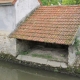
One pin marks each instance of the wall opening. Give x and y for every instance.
(44, 50)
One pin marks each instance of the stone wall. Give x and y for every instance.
(71, 55)
(7, 25)
(7, 45)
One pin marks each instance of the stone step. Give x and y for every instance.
(41, 61)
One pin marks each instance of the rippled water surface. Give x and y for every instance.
(10, 71)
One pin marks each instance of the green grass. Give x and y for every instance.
(42, 56)
(25, 52)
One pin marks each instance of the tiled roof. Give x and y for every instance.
(7, 1)
(52, 24)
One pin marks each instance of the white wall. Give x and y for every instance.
(12, 15)
(24, 7)
(7, 25)
(7, 18)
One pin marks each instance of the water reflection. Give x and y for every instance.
(8, 74)
(10, 71)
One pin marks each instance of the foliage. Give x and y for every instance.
(77, 1)
(25, 52)
(68, 2)
(49, 2)
(63, 2)
(42, 56)
(77, 46)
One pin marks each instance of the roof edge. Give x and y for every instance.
(62, 6)
(73, 40)
(12, 2)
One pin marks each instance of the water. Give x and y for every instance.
(10, 71)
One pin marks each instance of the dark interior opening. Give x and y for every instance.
(37, 44)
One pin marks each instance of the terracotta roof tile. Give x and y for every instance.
(7, 1)
(57, 24)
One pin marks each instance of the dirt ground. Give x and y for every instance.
(57, 54)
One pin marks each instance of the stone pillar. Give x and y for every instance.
(71, 55)
(7, 45)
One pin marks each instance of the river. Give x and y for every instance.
(9, 71)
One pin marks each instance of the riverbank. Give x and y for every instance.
(75, 71)
(11, 71)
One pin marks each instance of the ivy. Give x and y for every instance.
(77, 45)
